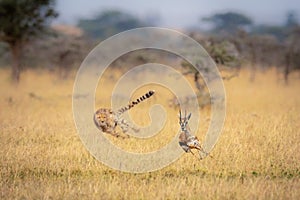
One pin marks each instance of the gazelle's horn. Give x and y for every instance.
(180, 114)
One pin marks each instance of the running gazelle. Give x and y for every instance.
(187, 141)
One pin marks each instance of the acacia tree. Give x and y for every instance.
(229, 22)
(21, 21)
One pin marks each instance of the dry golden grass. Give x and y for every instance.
(257, 156)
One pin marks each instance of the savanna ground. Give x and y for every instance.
(256, 157)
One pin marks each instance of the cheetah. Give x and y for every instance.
(107, 120)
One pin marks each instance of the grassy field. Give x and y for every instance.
(257, 156)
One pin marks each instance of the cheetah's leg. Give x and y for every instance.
(125, 126)
(112, 131)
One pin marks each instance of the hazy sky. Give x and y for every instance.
(180, 13)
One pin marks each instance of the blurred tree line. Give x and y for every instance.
(108, 23)
(234, 41)
(258, 46)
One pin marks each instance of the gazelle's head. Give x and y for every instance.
(183, 120)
